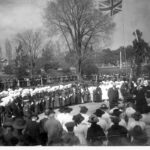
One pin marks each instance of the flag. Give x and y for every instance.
(112, 6)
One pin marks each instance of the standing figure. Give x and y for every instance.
(98, 94)
(140, 100)
(113, 96)
(78, 95)
(86, 95)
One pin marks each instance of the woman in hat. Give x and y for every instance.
(19, 125)
(80, 129)
(83, 112)
(136, 120)
(138, 136)
(117, 135)
(119, 113)
(8, 134)
(69, 138)
(95, 134)
(32, 130)
(64, 116)
(102, 122)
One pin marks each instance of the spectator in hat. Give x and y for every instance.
(43, 132)
(32, 130)
(64, 116)
(138, 136)
(80, 128)
(8, 133)
(2, 140)
(136, 120)
(119, 113)
(95, 134)
(105, 115)
(54, 129)
(19, 125)
(69, 138)
(97, 94)
(117, 135)
(102, 122)
(83, 112)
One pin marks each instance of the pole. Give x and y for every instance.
(120, 60)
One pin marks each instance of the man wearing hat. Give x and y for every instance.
(95, 134)
(69, 138)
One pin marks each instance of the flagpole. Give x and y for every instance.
(120, 60)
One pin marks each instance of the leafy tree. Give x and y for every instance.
(21, 62)
(8, 48)
(89, 68)
(80, 23)
(142, 51)
(31, 42)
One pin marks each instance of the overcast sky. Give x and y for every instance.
(19, 15)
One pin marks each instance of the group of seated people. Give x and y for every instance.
(120, 126)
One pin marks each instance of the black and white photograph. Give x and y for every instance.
(74, 73)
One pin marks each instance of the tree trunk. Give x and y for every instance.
(79, 69)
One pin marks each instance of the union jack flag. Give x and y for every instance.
(112, 6)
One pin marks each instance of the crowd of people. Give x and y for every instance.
(122, 118)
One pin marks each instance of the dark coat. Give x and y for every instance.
(141, 103)
(95, 135)
(113, 96)
(54, 130)
(69, 139)
(117, 135)
(33, 131)
(98, 95)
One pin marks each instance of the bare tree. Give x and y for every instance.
(80, 23)
(8, 48)
(31, 42)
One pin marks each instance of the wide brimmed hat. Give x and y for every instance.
(93, 119)
(78, 118)
(99, 112)
(19, 123)
(137, 116)
(70, 126)
(116, 112)
(65, 109)
(83, 109)
(115, 119)
(103, 107)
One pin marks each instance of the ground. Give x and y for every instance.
(91, 108)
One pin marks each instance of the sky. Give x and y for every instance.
(19, 15)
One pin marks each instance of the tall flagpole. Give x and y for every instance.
(120, 60)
